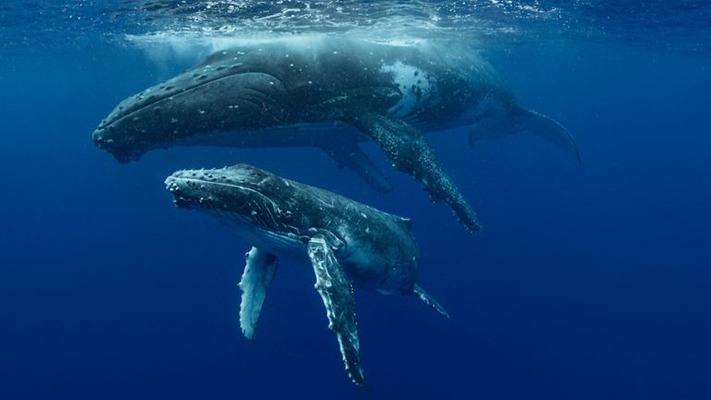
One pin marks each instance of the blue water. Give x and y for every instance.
(588, 282)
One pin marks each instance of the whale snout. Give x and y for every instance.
(205, 188)
(238, 189)
(179, 189)
(122, 152)
(190, 191)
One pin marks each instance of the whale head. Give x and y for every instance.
(218, 95)
(258, 204)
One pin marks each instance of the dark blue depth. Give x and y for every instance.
(586, 282)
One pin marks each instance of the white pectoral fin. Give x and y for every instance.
(258, 273)
(337, 294)
(427, 299)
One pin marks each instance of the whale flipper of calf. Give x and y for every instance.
(346, 243)
(330, 93)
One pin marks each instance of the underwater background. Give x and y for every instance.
(586, 282)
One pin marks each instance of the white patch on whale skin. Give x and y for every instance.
(416, 87)
(258, 273)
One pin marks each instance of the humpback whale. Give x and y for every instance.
(345, 242)
(330, 93)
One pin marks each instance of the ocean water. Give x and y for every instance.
(587, 282)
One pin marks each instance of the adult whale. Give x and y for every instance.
(345, 242)
(329, 93)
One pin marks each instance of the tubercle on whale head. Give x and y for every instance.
(189, 192)
(123, 153)
(241, 193)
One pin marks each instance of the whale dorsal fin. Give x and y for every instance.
(258, 273)
(336, 291)
(409, 152)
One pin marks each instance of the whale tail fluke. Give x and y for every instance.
(525, 120)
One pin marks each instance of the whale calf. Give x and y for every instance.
(330, 93)
(345, 242)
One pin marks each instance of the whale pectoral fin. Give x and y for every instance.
(409, 152)
(337, 294)
(427, 299)
(524, 120)
(258, 273)
(350, 154)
